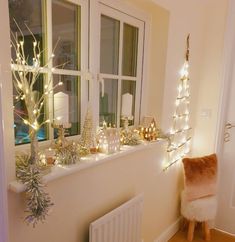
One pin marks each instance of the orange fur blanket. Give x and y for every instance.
(200, 176)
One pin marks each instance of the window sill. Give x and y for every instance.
(86, 162)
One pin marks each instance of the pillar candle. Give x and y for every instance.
(127, 105)
(61, 108)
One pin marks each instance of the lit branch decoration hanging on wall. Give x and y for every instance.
(180, 134)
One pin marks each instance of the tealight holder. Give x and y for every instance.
(61, 141)
(125, 121)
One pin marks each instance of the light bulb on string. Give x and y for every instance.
(180, 89)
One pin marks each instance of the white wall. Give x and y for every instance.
(7, 100)
(6, 117)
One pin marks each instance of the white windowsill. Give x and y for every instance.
(86, 162)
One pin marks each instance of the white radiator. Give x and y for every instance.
(122, 224)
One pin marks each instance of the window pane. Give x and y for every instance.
(21, 129)
(66, 20)
(128, 88)
(130, 46)
(30, 13)
(67, 102)
(108, 102)
(109, 45)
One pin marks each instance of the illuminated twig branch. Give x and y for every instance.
(25, 77)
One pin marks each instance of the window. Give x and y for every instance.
(30, 13)
(121, 51)
(58, 36)
(61, 26)
(66, 35)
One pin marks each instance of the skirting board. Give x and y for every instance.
(169, 232)
(222, 231)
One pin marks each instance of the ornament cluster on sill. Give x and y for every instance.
(107, 140)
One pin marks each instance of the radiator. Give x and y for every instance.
(122, 224)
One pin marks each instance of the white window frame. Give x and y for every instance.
(7, 160)
(3, 180)
(112, 9)
(83, 91)
(84, 58)
(90, 48)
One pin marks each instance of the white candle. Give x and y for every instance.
(127, 105)
(61, 108)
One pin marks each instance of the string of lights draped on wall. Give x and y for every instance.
(180, 134)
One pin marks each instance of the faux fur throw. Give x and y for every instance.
(200, 176)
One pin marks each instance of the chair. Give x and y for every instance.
(198, 200)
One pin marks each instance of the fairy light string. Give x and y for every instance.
(180, 134)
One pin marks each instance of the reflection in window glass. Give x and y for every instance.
(108, 102)
(130, 88)
(109, 45)
(27, 13)
(130, 47)
(65, 33)
(30, 13)
(21, 129)
(66, 102)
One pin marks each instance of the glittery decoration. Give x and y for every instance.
(37, 200)
(68, 155)
(129, 137)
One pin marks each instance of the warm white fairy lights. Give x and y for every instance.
(26, 75)
(180, 134)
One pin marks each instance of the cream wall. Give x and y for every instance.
(205, 21)
(211, 79)
(81, 198)
(86, 195)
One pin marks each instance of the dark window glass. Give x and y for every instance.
(108, 102)
(26, 14)
(66, 22)
(109, 45)
(130, 50)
